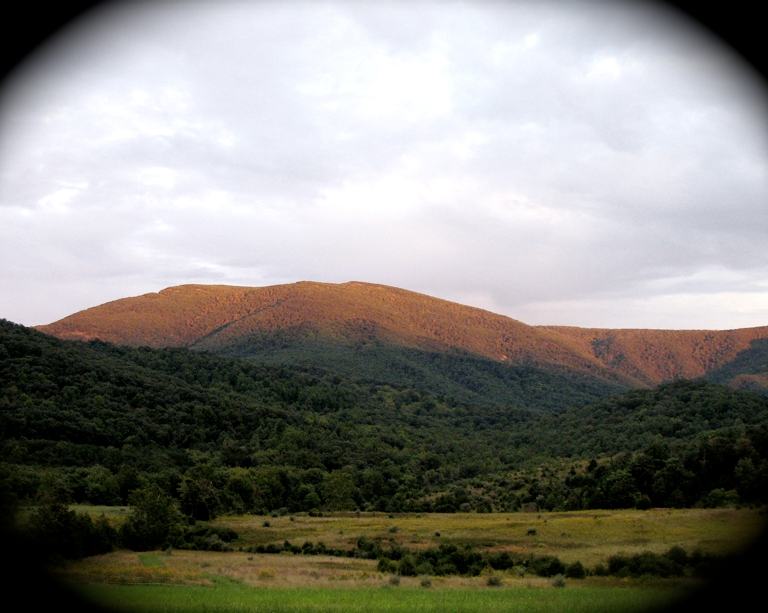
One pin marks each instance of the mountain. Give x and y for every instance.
(387, 334)
(226, 319)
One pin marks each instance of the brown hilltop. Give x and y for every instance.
(218, 317)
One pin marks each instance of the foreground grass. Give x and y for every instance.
(230, 582)
(235, 598)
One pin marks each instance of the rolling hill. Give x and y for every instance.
(382, 333)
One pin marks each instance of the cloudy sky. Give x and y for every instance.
(574, 163)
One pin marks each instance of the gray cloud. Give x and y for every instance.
(582, 163)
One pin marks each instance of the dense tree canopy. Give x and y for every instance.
(91, 422)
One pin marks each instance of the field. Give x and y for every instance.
(177, 581)
(587, 536)
(235, 581)
(241, 599)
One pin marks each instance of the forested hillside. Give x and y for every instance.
(94, 422)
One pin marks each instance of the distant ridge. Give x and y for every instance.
(246, 321)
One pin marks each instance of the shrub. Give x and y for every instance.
(368, 549)
(647, 563)
(600, 570)
(643, 502)
(386, 565)
(425, 568)
(575, 571)
(208, 538)
(407, 566)
(501, 561)
(678, 555)
(446, 568)
(547, 566)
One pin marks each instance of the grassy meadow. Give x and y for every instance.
(180, 580)
(587, 536)
(242, 599)
(232, 582)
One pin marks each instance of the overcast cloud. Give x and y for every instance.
(569, 163)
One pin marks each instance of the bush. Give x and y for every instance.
(575, 571)
(546, 566)
(600, 570)
(208, 538)
(425, 568)
(386, 565)
(678, 555)
(494, 581)
(501, 561)
(368, 549)
(643, 502)
(670, 564)
(407, 566)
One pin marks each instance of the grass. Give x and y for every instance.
(151, 560)
(239, 598)
(587, 536)
(231, 582)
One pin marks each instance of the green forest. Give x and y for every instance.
(100, 424)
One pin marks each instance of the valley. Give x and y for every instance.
(370, 439)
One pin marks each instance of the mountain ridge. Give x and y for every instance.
(243, 320)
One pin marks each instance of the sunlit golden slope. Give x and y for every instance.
(653, 356)
(218, 317)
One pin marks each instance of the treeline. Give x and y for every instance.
(90, 422)
(55, 532)
(725, 469)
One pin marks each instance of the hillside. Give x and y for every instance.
(225, 318)
(92, 421)
(366, 332)
(653, 356)
(386, 334)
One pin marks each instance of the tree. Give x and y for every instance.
(199, 498)
(338, 489)
(155, 521)
(55, 530)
